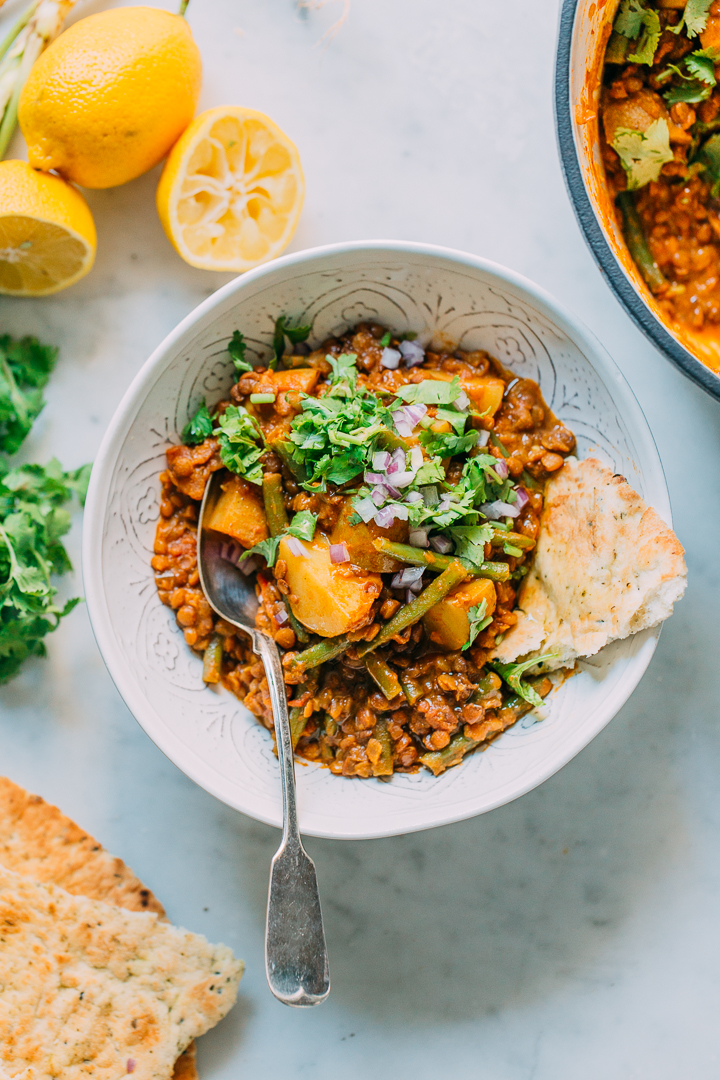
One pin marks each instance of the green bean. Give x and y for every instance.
(486, 684)
(297, 627)
(212, 660)
(384, 764)
(500, 446)
(383, 675)
(495, 571)
(440, 760)
(318, 654)
(413, 690)
(502, 536)
(617, 48)
(274, 499)
(414, 611)
(637, 242)
(298, 723)
(530, 482)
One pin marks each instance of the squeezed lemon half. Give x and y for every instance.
(47, 234)
(232, 189)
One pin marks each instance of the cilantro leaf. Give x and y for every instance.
(629, 20)
(25, 367)
(701, 64)
(303, 525)
(344, 374)
(385, 340)
(33, 519)
(694, 18)
(199, 428)
(237, 347)
(267, 548)
(709, 157)
(453, 417)
(445, 444)
(430, 392)
(512, 675)
(294, 334)
(241, 443)
(470, 542)
(478, 621)
(643, 153)
(648, 43)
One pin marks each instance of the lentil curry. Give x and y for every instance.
(660, 113)
(387, 500)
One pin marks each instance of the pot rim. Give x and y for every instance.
(593, 231)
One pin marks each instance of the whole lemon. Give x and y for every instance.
(110, 96)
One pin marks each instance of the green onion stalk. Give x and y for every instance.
(39, 24)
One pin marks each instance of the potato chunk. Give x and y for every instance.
(486, 393)
(328, 598)
(448, 624)
(240, 513)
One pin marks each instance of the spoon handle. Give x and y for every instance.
(296, 962)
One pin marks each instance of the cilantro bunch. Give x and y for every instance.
(25, 368)
(33, 519)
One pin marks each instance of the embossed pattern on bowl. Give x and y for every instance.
(443, 296)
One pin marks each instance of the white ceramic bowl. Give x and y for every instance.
(440, 294)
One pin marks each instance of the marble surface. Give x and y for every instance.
(574, 932)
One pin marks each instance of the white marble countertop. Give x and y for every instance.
(573, 933)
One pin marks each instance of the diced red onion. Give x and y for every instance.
(416, 458)
(400, 511)
(379, 494)
(281, 615)
(403, 429)
(365, 508)
(374, 478)
(430, 495)
(249, 566)
(393, 492)
(416, 587)
(522, 498)
(462, 401)
(403, 479)
(497, 510)
(509, 386)
(296, 547)
(390, 358)
(407, 577)
(483, 437)
(339, 553)
(230, 552)
(501, 468)
(413, 497)
(397, 462)
(441, 544)
(413, 353)
(414, 413)
(130, 1065)
(381, 460)
(418, 538)
(385, 518)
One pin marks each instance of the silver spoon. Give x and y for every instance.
(296, 962)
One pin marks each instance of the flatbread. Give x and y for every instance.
(90, 991)
(40, 842)
(606, 566)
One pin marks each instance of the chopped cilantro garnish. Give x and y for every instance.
(241, 443)
(629, 19)
(445, 445)
(236, 347)
(303, 525)
(470, 542)
(453, 417)
(33, 519)
(385, 340)
(698, 84)
(25, 367)
(199, 428)
(294, 334)
(430, 392)
(512, 675)
(343, 379)
(694, 18)
(478, 621)
(643, 153)
(649, 39)
(266, 548)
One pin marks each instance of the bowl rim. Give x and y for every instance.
(123, 419)
(592, 229)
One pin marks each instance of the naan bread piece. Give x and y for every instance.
(40, 842)
(90, 991)
(606, 566)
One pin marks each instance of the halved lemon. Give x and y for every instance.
(232, 189)
(47, 234)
